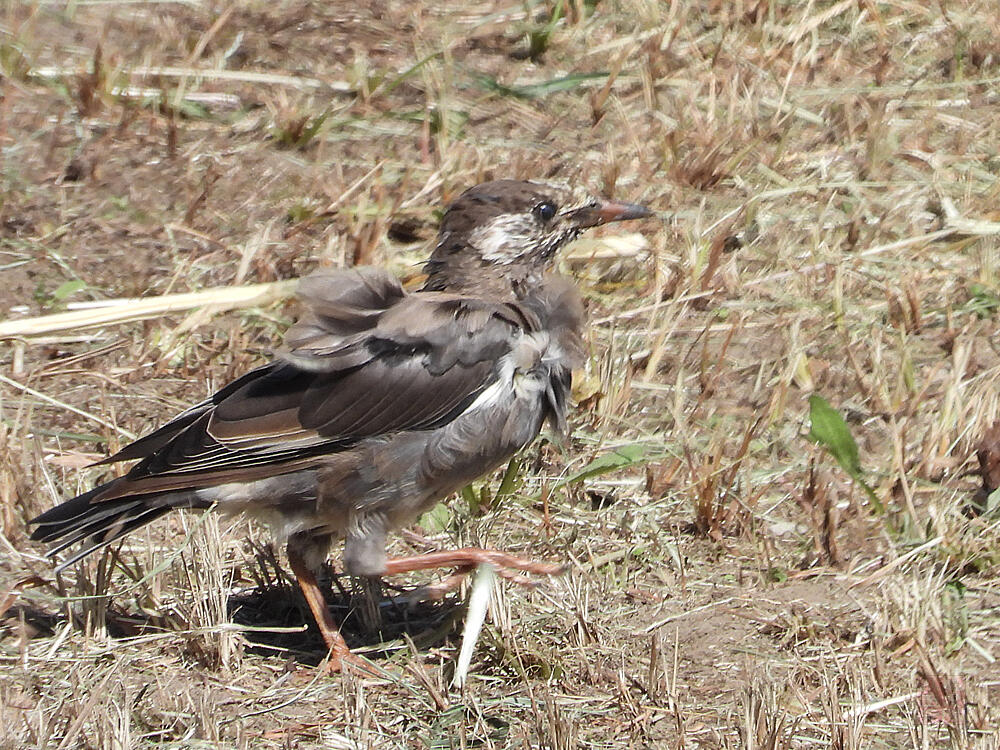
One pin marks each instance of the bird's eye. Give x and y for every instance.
(545, 210)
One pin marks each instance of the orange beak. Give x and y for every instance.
(602, 212)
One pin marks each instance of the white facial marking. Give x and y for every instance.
(501, 240)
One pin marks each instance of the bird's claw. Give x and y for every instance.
(341, 661)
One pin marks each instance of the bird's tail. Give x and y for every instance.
(100, 523)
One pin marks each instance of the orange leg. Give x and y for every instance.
(468, 558)
(339, 652)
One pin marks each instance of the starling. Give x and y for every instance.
(381, 402)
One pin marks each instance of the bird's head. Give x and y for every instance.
(510, 230)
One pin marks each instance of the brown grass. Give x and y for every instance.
(826, 175)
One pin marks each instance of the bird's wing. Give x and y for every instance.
(366, 359)
(341, 308)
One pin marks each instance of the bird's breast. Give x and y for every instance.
(522, 376)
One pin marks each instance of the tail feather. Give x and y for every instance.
(105, 536)
(99, 524)
(62, 519)
(109, 522)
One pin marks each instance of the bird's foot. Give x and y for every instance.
(344, 660)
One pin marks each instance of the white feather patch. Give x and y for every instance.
(479, 602)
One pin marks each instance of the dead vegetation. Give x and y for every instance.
(827, 179)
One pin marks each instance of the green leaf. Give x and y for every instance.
(992, 507)
(830, 430)
(389, 84)
(509, 482)
(485, 501)
(194, 110)
(536, 90)
(566, 83)
(471, 499)
(13, 63)
(437, 519)
(983, 301)
(68, 289)
(539, 39)
(619, 458)
(492, 84)
(955, 609)
(956, 587)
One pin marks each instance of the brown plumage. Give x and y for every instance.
(381, 402)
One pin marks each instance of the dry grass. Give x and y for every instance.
(827, 176)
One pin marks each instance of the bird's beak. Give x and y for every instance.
(601, 212)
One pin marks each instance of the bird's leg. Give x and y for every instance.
(468, 558)
(369, 612)
(335, 643)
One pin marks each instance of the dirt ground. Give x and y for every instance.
(825, 181)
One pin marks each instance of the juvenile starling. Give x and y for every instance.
(381, 402)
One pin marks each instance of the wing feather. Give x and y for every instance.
(366, 359)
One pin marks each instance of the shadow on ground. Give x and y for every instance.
(378, 625)
(276, 622)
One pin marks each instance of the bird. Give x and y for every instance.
(380, 403)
